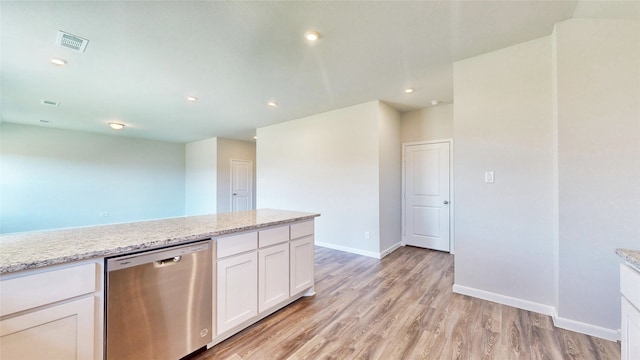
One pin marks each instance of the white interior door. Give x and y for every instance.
(241, 185)
(426, 196)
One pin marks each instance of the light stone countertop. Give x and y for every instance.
(29, 250)
(632, 257)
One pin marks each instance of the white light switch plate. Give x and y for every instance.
(489, 177)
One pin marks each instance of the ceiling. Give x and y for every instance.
(144, 58)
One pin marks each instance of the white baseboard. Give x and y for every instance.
(563, 323)
(390, 249)
(348, 249)
(505, 300)
(371, 254)
(597, 331)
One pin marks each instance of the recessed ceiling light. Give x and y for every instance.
(192, 98)
(312, 35)
(58, 61)
(116, 126)
(272, 104)
(409, 90)
(435, 102)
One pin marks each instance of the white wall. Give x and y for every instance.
(558, 120)
(432, 123)
(201, 169)
(54, 178)
(503, 123)
(237, 150)
(598, 85)
(390, 179)
(326, 163)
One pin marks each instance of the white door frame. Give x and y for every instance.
(451, 189)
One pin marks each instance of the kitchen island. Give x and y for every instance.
(52, 283)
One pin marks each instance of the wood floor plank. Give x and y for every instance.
(402, 307)
(515, 332)
(570, 347)
(544, 345)
(428, 346)
(491, 317)
(604, 349)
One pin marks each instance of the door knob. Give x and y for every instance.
(235, 194)
(445, 202)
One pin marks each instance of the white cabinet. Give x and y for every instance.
(630, 331)
(301, 257)
(630, 326)
(51, 314)
(261, 272)
(302, 265)
(62, 331)
(237, 280)
(273, 273)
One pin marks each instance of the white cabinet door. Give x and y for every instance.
(237, 299)
(64, 331)
(302, 264)
(630, 331)
(273, 276)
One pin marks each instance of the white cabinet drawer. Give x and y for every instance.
(630, 285)
(236, 244)
(301, 229)
(273, 236)
(27, 292)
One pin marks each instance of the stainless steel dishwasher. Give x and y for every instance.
(159, 303)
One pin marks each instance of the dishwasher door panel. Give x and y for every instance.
(159, 304)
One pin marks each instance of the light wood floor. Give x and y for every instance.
(402, 307)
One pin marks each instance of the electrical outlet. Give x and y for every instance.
(104, 213)
(366, 235)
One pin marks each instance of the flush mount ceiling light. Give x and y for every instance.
(312, 35)
(435, 102)
(58, 61)
(116, 125)
(409, 90)
(272, 104)
(192, 98)
(46, 102)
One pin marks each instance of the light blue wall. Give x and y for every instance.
(54, 178)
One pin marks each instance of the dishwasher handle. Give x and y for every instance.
(159, 258)
(167, 261)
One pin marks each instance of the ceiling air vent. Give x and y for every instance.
(71, 41)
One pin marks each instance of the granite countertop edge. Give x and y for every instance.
(631, 257)
(81, 242)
